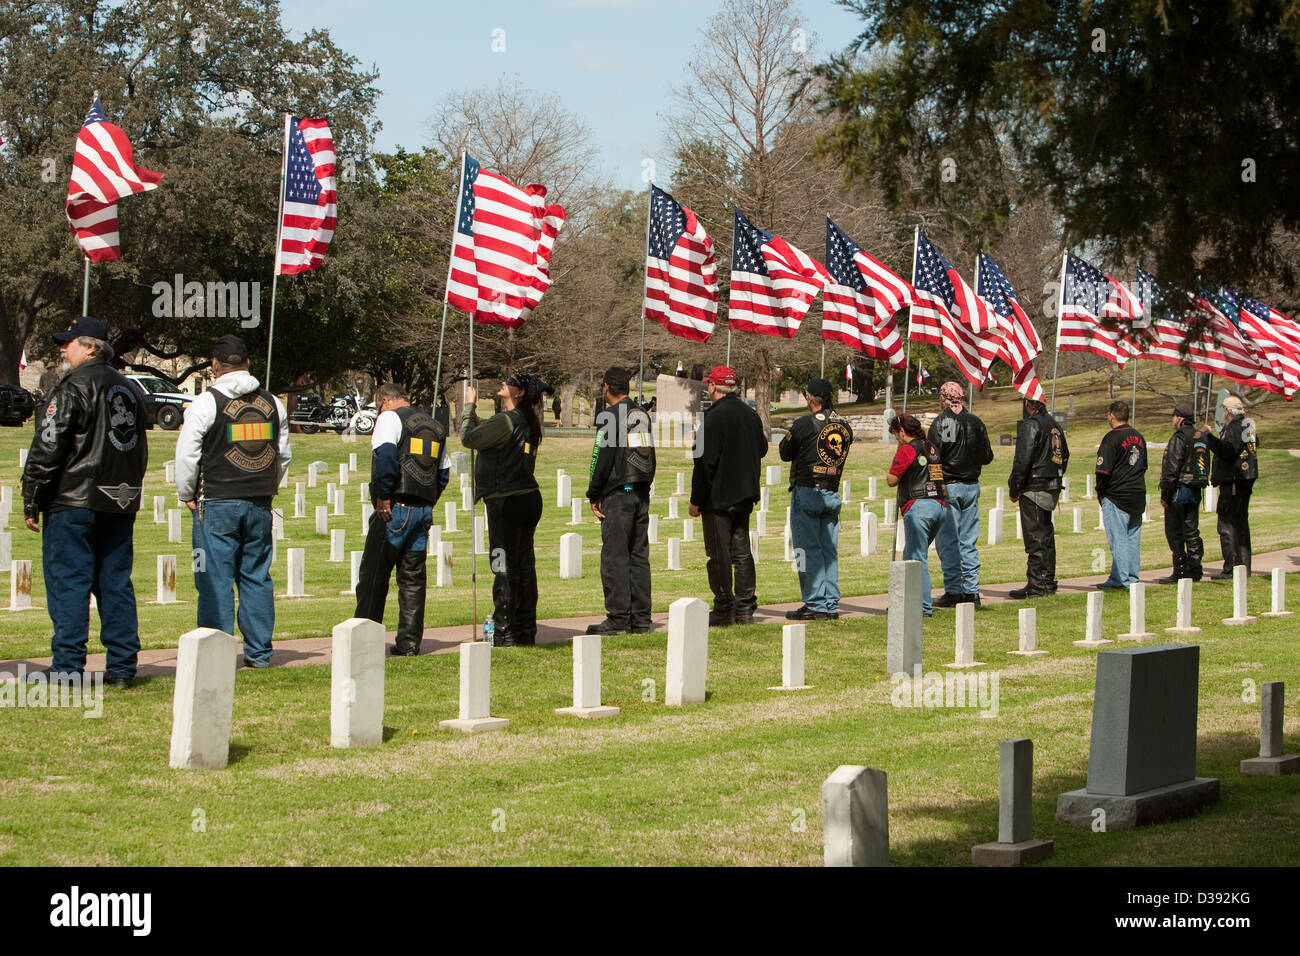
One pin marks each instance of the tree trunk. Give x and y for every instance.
(567, 395)
(763, 386)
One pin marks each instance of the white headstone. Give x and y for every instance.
(322, 519)
(787, 544)
(869, 533)
(159, 509)
(1087, 486)
(444, 562)
(295, 579)
(672, 509)
(1077, 514)
(367, 511)
(844, 491)
(449, 518)
(277, 525)
(855, 817)
(1278, 595)
(354, 576)
(570, 555)
(357, 684)
(435, 538)
(173, 526)
(169, 472)
(166, 579)
(203, 700)
(998, 498)
(1092, 626)
(652, 529)
(872, 492)
(1137, 613)
(363, 492)
(22, 457)
(563, 491)
(764, 498)
(1146, 513)
(20, 585)
(681, 483)
(300, 505)
(6, 550)
(311, 477)
(1065, 491)
(1184, 621)
(773, 474)
(900, 536)
(586, 680)
(652, 491)
(1028, 634)
(576, 507)
(965, 637)
(466, 499)
(1239, 583)
(1211, 499)
(688, 652)
(753, 545)
(330, 489)
(792, 657)
(337, 544)
(344, 470)
(480, 534)
(475, 691)
(760, 523)
(352, 460)
(890, 507)
(1101, 519)
(674, 554)
(1020, 532)
(340, 502)
(688, 529)
(995, 526)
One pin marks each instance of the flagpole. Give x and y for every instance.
(907, 357)
(442, 336)
(1132, 412)
(728, 363)
(279, 229)
(473, 494)
(1060, 313)
(645, 268)
(970, 386)
(85, 289)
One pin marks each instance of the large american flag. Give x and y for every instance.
(310, 197)
(102, 173)
(501, 248)
(681, 272)
(1021, 345)
(1096, 313)
(861, 300)
(1280, 352)
(772, 282)
(942, 299)
(1284, 328)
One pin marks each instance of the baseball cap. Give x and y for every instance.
(1234, 404)
(82, 325)
(1184, 411)
(617, 378)
(230, 349)
(819, 388)
(722, 375)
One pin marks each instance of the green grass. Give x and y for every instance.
(729, 781)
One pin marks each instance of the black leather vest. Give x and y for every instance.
(824, 440)
(924, 479)
(420, 452)
(508, 466)
(241, 449)
(626, 426)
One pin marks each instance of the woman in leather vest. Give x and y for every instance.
(917, 473)
(503, 477)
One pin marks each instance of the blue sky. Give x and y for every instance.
(612, 62)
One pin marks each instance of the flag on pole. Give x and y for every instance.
(1096, 314)
(921, 373)
(1280, 353)
(942, 297)
(772, 282)
(681, 271)
(1281, 327)
(501, 248)
(103, 171)
(1021, 345)
(310, 197)
(861, 299)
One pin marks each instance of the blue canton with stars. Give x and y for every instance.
(840, 250)
(465, 217)
(994, 287)
(667, 223)
(301, 184)
(1086, 286)
(96, 114)
(932, 272)
(1257, 309)
(747, 247)
(1226, 301)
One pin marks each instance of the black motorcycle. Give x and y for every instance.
(312, 414)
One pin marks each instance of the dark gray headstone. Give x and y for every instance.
(1144, 719)
(1271, 759)
(1016, 791)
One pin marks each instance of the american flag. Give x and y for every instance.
(310, 197)
(861, 300)
(1021, 345)
(102, 173)
(501, 249)
(1096, 313)
(681, 272)
(1282, 355)
(942, 297)
(1287, 329)
(772, 282)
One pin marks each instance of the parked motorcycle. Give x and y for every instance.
(312, 414)
(363, 422)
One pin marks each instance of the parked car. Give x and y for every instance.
(164, 402)
(16, 405)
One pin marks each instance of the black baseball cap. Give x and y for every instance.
(230, 350)
(1184, 412)
(819, 388)
(617, 379)
(82, 325)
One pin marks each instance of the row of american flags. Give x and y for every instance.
(504, 235)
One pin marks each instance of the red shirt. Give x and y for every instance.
(903, 460)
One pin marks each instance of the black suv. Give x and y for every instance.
(16, 405)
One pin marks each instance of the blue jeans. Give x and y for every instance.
(1124, 535)
(232, 545)
(814, 530)
(921, 523)
(958, 539)
(88, 552)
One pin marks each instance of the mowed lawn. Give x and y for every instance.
(734, 781)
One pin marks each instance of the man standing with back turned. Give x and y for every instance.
(231, 453)
(964, 450)
(1184, 471)
(1236, 467)
(1122, 492)
(1041, 459)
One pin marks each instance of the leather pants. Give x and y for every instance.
(377, 563)
(1183, 532)
(1040, 547)
(1233, 512)
(512, 523)
(726, 542)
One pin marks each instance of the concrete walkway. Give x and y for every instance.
(441, 640)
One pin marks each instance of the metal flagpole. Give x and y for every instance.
(822, 373)
(1196, 381)
(728, 332)
(85, 289)
(1209, 395)
(650, 196)
(1132, 412)
(279, 229)
(473, 494)
(970, 400)
(1060, 310)
(907, 356)
(437, 378)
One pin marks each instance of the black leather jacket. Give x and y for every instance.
(963, 444)
(90, 449)
(1234, 456)
(1042, 455)
(1171, 465)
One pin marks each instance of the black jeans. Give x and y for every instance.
(1040, 547)
(1183, 532)
(1233, 510)
(625, 558)
(377, 562)
(726, 542)
(512, 522)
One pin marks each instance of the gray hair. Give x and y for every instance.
(724, 389)
(99, 348)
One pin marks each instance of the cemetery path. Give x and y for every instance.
(441, 640)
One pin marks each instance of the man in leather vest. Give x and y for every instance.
(84, 477)
(622, 467)
(231, 454)
(1180, 496)
(817, 446)
(1235, 469)
(1042, 456)
(729, 445)
(964, 450)
(408, 449)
